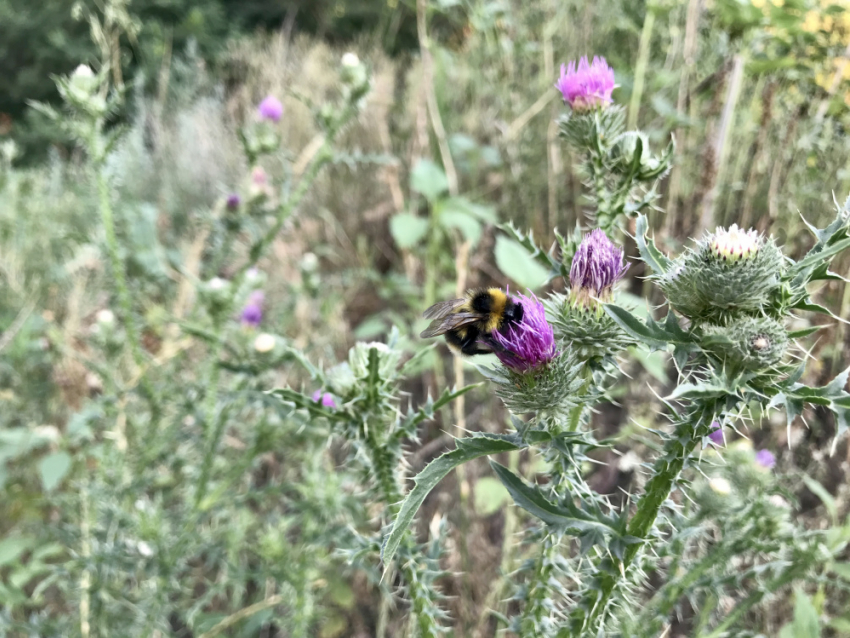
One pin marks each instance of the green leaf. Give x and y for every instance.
(826, 498)
(842, 570)
(407, 229)
(468, 226)
(653, 336)
(12, 548)
(649, 253)
(429, 180)
(515, 262)
(698, 391)
(490, 495)
(806, 618)
(841, 625)
(53, 469)
(531, 499)
(479, 444)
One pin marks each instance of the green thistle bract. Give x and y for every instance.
(753, 343)
(588, 332)
(728, 271)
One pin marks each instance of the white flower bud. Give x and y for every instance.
(350, 60)
(720, 485)
(264, 343)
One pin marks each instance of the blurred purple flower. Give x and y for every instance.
(528, 343)
(252, 313)
(597, 266)
(326, 399)
(586, 86)
(233, 201)
(766, 458)
(270, 109)
(716, 434)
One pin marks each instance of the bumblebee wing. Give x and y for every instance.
(443, 308)
(442, 325)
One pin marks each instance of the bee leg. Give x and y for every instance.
(471, 344)
(491, 343)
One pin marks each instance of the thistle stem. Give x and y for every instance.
(611, 570)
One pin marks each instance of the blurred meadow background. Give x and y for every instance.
(151, 486)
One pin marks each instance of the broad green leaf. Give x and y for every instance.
(490, 495)
(429, 180)
(841, 625)
(826, 498)
(806, 618)
(53, 469)
(515, 262)
(11, 548)
(481, 212)
(480, 444)
(468, 226)
(842, 569)
(407, 229)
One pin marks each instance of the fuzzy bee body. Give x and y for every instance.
(469, 323)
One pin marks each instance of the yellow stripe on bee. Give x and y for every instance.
(497, 312)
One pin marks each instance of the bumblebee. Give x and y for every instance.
(469, 323)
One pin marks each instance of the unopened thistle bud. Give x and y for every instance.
(728, 271)
(752, 343)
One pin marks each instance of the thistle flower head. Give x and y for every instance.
(766, 459)
(529, 343)
(597, 266)
(270, 109)
(325, 398)
(252, 313)
(586, 85)
(735, 243)
(233, 201)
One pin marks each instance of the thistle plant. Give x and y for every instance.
(729, 301)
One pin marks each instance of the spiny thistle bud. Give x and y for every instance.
(728, 271)
(587, 85)
(529, 343)
(752, 343)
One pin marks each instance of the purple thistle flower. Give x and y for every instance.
(233, 201)
(326, 399)
(529, 343)
(252, 313)
(597, 266)
(586, 86)
(766, 459)
(270, 109)
(716, 434)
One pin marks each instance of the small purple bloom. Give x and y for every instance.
(326, 399)
(586, 86)
(252, 313)
(716, 434)
(597, 266)
(766, 458)
(233, 201)
(529, 343)
(270, 109)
